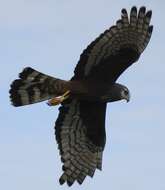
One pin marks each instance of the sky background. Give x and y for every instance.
(49, 36)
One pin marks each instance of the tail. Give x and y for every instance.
(33, 86)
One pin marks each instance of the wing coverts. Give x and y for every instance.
(131, 33)
(80, 156)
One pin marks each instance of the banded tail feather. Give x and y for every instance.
(80, 126)
(33, 86)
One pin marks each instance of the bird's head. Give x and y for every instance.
(117, 92)
(125, 94)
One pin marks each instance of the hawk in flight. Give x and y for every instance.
(80, 126)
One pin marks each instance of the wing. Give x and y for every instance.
(81, 139)
(117, 48)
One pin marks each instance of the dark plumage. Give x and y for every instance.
(80, 126)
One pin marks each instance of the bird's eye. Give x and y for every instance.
(126, 92)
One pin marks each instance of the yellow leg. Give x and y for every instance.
(59, 99)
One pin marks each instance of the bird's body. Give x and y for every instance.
(101, 92)
(80, 127)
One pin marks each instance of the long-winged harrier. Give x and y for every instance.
(80, 127)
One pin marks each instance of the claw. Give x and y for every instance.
(59, 99)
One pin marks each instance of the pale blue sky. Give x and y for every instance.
(49, 36)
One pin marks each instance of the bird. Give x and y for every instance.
(80, 126)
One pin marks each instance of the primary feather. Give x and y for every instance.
(80, 127)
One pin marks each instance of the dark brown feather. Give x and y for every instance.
(117, 48)
(81, 139)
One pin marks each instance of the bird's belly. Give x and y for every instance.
(88, 90)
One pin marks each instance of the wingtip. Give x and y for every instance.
(149, 14)
(134, 9)
(69, 183)
(150, 29)
(61, 181)
(124, 11)
(142, 9)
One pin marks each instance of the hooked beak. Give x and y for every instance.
(127, 98)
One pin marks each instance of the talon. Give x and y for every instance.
(59, 99)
